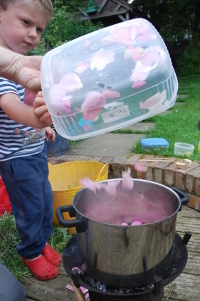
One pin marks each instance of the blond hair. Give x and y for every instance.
(45, 5)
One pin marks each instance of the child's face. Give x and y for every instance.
(21, 27)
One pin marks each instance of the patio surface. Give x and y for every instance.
(185, 288)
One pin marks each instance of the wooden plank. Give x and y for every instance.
(52, 290)
(102, 6)
(123, 4)
(117, 7)
(103, 15)
(184, 288)
(121, 18)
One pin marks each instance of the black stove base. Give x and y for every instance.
(94, 296)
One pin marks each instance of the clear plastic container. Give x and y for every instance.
(108, 79)
(181, 148)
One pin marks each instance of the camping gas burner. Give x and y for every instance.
(101, 292)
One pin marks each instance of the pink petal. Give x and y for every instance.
(148, 58)
(140, 167)
(84, 267)
(86, 43)
(101, 59)
(76, 268)
(124, 224)
(127, 181)
(87, 183)
(81, 67)
(86, 127)
(69, 287)
(139, 73)
(138, 51)
(111, 94)
(137, 222)
(111, 187)
(138, 84)
(129, 52)
(63, 103)
(110, 40)
(83, 289)
(92, 105)
(87, 296)
(71, 83)
(122, 34)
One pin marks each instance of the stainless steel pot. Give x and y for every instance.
(125, 254)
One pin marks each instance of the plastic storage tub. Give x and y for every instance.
(181, 148)
(149, 143)
(108, 79)
(65, 177)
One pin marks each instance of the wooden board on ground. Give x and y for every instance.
(184, 288)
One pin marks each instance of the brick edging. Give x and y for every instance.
(163, 172)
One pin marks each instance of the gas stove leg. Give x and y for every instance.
(157, 285)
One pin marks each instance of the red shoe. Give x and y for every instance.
(52, 255)
(41, 268)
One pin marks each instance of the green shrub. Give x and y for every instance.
(190, 63)
(64, 27)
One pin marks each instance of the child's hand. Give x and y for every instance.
(50, 134)
(40, 110)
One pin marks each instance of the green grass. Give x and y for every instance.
(9, 239)
(179, 126)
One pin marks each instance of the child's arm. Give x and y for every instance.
(50, 134)
(20, 112)
(40, 110)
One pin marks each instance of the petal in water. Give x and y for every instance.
(101, 59)
(136, 222)
(138, 84)
(140, 72)
(81, 67)
(138, 51)
(86, 43)
(111, 94)
(92, 105)
(124, 224)
(127, 181)
(71, 83)
(156, 99)
(122, 34)
(63, 103)
(148, 58)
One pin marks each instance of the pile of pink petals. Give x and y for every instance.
(136, 222)
(111, 186)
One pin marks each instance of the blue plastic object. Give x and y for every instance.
(154, 143)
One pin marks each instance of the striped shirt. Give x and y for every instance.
(17, 140)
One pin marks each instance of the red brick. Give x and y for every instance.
(197, 184)
(169, 175)
(189, 183)
(180, 179)
(159, 171)
(117, 167)
(150, 171)
(130, 163)
(194, 202)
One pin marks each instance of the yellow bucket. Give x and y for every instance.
(65, 177)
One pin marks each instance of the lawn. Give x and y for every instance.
(179, 126)
(9, 238)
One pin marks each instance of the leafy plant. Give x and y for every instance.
(64, 26)
(9, 238)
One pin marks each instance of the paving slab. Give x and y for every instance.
(141, 126)
(106, 145)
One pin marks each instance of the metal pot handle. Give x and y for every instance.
(184, 197)
(78, 223)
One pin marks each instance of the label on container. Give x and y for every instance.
(115, 114)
